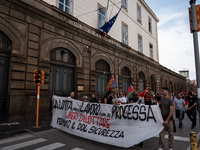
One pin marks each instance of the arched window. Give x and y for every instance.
(5, 43)
(126, 76)
(141, 82)
(161, 82)
(177, 88)
(153, 83)
(102, 77)
(174, 86)
(62, 55)
(170, 87)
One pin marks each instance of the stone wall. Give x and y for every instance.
(34, 32)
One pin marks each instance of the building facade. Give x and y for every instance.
(35, 34)
(136, 24)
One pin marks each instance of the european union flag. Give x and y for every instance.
(106, 27)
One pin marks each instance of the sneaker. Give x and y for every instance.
(160, 148)
(170, 149)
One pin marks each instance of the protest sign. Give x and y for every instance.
(123, 126)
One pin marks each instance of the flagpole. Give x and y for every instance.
(117, 87)
(111, 10)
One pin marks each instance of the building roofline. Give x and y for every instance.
(149, 9)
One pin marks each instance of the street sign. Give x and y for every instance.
(197, 18)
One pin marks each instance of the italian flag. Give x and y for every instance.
(129, 92)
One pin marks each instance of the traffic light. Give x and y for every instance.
(43, 77)
(37, 77)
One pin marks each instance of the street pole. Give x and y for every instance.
(196, 49)
(38, 101)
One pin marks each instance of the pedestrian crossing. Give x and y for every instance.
(51, 146)
(22, 142)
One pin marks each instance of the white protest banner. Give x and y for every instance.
(122, 126)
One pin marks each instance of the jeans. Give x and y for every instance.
(180, 117)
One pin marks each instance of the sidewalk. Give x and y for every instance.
(17, 128)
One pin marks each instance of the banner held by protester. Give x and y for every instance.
(123, 126)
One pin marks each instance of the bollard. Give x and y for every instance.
(193, 141)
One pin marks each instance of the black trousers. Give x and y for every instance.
(192, 115)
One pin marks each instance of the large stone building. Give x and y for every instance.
(35, 34)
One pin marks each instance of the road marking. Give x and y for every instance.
(51, 146)
(186, 139)
(77, 149)
(24, 144)
(15, 139)
(8, 124)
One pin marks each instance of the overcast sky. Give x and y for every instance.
(176, 51)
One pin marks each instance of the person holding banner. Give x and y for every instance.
(110, 97)
(105, 100)
(167, 109)
(100, 100)
(94, 99)
(122, 98)
(72, 95)
(85, 98)
(117, 102)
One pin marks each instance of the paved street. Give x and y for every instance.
(56, 139)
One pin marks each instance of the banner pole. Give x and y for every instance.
(37, 109)
(117, 87)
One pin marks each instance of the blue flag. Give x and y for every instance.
(106, 27)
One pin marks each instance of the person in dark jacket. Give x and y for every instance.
(109, 99)
(191, 111)
(94, 99)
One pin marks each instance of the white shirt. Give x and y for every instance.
(122, 99)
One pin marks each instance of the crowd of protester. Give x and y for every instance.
(184, 102)
(180, 102)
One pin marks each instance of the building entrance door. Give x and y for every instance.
(5, 49)
(4, 65)
(61, 73)
(61, 81)
(102, 77)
